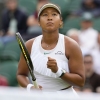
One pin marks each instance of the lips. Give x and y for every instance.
(49, 23)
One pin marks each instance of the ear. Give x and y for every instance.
(39, 23)
(61, 24)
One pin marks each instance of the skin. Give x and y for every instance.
(90, 4)
(11, 5)
(50, 22)
(86, 24)
(75, 37)
(88, 62)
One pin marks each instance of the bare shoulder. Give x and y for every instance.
(70, 42)
(71, 46)
(29, 44)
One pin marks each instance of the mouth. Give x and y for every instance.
(49, 24)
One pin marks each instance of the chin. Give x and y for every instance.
(50, 31)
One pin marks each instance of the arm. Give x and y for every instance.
(75, 63)
(22, 73)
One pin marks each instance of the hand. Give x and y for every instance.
(52, 64)
(33, 88)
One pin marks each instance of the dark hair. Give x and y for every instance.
(87, 55)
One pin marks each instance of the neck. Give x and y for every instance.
(50, 38)
(13, 11)
(85, 28)
(89, 74)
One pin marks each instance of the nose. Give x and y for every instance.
(49, 18)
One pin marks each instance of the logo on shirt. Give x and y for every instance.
(45, 53)
(59, 53)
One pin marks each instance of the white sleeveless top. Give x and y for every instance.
(45, 77)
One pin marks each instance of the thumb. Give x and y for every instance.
(49, 58)
(40, 87)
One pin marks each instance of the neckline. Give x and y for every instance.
(48, 51)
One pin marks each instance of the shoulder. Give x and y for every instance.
(71, 46)
(70, 42)
(29, 43)
(5, 12)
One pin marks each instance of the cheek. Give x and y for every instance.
(42, 21)
(57, 20)
(57, 23)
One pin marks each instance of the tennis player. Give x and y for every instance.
(57, 59)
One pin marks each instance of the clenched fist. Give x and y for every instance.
(52, 64)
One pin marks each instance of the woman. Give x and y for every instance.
(57, 59)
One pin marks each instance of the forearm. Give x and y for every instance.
(73, 79)
(23, 80)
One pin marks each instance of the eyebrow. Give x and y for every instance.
(53, 10)
(47, 12)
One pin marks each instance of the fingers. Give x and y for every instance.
(33, 88)
(52, 64)
(51, 59)
(40, 87)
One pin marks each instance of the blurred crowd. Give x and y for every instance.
(16, 19)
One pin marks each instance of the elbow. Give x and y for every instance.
(82, 82)
(81, 85)
(17, 76)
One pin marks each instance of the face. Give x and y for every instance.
(86, 24)
(89, 3)
(50, 20)
(11, 5)
(88, 62)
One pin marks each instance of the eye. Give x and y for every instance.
(54, 14)
(44, 14)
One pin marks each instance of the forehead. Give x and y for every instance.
(49, 9)
(88, 58)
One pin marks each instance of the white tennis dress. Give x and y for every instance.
(45, 77)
